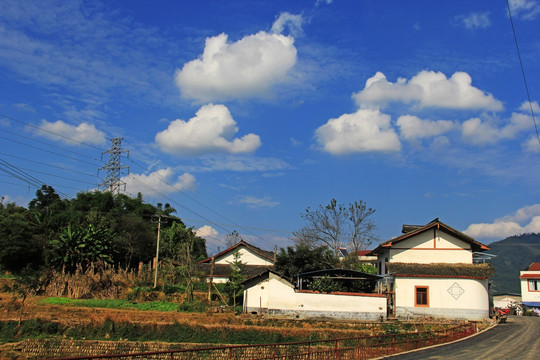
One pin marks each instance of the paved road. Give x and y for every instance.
(518, 338)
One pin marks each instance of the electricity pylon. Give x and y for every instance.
(114, 167)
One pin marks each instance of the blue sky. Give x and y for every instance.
(243, 113)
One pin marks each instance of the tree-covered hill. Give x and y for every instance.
(514, 254)
(92, 227)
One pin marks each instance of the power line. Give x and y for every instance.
(522, 70)
(47, 144)
(50, 165)
(50, 132)
(234, 225)
(49, 151)
(15, 172)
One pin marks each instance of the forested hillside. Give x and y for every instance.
(514, 254)
(92, 227)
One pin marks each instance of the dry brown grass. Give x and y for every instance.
(98, 281)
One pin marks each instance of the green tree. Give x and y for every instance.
(302, 258)
(325, 284)
(233, 286)
(336, 225)
(181, 245)
(81, 245)
(351, 262)
(19, 247)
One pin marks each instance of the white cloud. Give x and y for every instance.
(527, 106)
(254, 202)
(212, 237)
(72, 135)
(238, 163)
(319, 2)
(427, 89)
(480, 132)
(525, 9)
(412, 127)
(522, 215)
(206, 231)
(532, 145)
(475, 20)
(364, 131)
(525, 220)
(158, 182)
(249, 67)
(211, 130)
(291, 21)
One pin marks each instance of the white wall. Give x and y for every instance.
(430, 247)
(277, 297)
(246, 257)
(472, 304)
(526, 295)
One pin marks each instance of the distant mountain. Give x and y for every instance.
(514, 254)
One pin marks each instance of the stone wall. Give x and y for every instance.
(40, 349)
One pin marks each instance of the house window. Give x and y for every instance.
(421, 296)
(534, 285)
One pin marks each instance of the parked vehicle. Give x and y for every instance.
(500, 315)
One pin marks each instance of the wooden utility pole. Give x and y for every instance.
(157, 251)
(211, 280)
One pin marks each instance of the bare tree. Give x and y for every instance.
(336, 225)
(233, 239)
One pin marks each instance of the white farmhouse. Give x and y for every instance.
(429, 271)
(530, 286)
(254, 262)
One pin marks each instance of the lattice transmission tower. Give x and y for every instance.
(114, 167)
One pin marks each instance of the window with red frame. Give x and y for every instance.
(421, 296)
(534, 284)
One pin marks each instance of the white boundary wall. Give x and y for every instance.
(276, 296)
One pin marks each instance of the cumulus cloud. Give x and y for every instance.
(475, 20)
(212, 129)
(525, 220)
(525, 9)
(412, 127)
(249, 67)
(255, 202)
(158, 182)
(70, 134)
(211, 236)
(427, 89)
(366, 130)
(481, 132)
(527, 106)
(206, 231)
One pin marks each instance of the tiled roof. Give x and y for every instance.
(224, 270)
(534, 267)
(363, 252)
(442, 270)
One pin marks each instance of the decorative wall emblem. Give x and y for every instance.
(455, 290)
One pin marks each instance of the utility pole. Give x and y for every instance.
(157, 251)
(114, 167)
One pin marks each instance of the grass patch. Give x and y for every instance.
(113, 304)
(116, 331)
